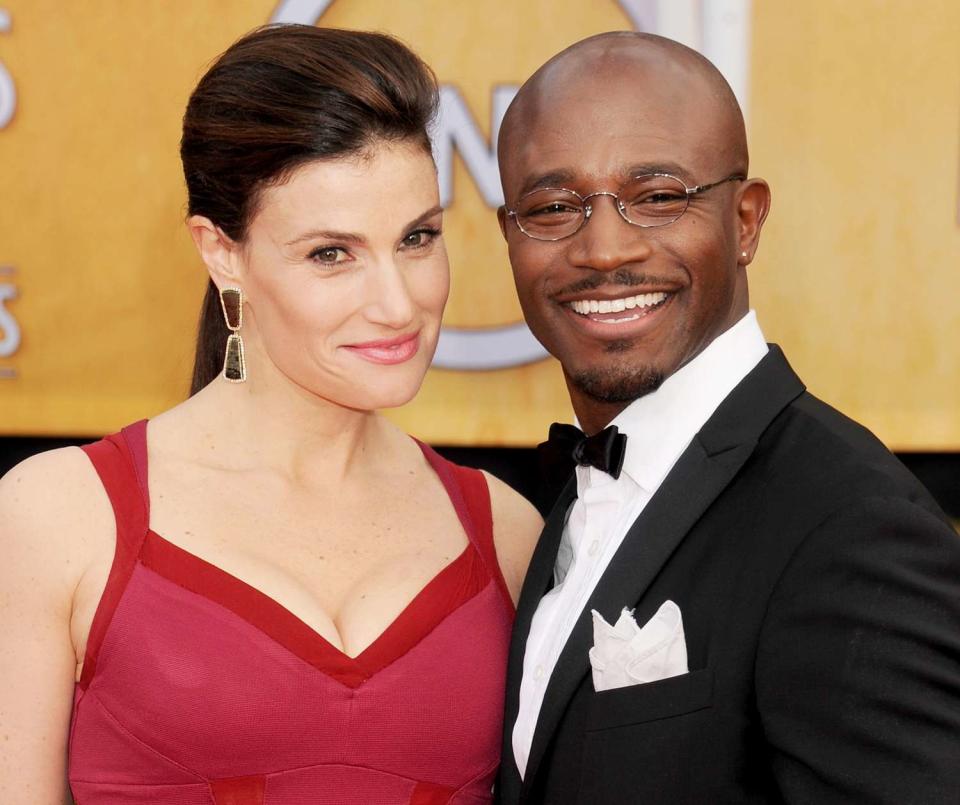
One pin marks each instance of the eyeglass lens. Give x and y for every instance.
(651, 200)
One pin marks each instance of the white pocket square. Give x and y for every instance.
(626, 654)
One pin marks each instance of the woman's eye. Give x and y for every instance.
(328, 255)
(420, 238)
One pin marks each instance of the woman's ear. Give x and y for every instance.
(218, 251)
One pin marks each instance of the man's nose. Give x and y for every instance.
(607, 241)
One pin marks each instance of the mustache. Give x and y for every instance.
(621, 277)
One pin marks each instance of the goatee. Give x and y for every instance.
(618, 385)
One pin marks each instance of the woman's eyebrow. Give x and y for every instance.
(353, 237)
(424, 216)
(316, 234)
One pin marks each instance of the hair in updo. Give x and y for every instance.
(280, 97)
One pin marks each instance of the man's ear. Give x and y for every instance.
(502, 220)
(217, 250)
(752, 209)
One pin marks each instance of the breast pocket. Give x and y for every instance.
(650, 701)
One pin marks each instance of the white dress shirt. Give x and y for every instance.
(659, 427)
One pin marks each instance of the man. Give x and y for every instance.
(754, 601)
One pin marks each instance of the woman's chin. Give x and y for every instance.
(388, 387)
(397, 398)
(376, 396)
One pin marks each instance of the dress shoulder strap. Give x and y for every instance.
(470, 495)
(115, 459)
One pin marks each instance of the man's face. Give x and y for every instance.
(681, 285)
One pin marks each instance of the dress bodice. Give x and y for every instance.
(198, 688)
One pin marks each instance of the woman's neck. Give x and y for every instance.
(283, 428)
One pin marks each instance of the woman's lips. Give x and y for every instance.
(388, 351)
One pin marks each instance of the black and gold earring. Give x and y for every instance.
(234, 366)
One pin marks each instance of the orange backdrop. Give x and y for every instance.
(853, 113)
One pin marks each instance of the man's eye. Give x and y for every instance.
(556, 208)
(665, 197)
(328, 255)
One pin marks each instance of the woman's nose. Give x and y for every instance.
(390, 303)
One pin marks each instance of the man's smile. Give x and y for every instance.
(620, 317)
(639, 303)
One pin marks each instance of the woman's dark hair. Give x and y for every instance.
(280, 97)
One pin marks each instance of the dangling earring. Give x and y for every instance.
(234, 366)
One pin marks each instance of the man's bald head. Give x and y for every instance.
(653, 71)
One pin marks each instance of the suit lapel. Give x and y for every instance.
(699, 476)
(535, 585)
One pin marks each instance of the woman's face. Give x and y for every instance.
(345, 276)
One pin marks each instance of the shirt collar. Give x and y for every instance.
(661, 425)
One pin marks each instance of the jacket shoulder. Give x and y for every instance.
(825, 461)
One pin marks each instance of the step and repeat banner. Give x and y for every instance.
(854, 118)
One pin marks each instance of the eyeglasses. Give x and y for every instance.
(653, 199)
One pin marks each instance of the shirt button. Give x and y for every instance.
(538, 672)
(594, 548)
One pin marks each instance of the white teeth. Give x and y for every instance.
(585, 306)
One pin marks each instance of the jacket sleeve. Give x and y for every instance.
(858, 664)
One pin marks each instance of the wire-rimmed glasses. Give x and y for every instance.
(652, 199)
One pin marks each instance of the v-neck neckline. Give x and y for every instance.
(455, 584)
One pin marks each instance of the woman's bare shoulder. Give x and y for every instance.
(516, 528)
(53, 515)
(54, 512)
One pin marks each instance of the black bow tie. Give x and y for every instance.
(568, 446)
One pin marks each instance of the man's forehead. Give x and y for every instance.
(609, 105)
(620, 72)
(594, 140)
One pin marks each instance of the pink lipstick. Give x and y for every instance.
(388, 351)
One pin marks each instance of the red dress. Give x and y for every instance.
(199, 689)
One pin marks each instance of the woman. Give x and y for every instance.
(270, 594)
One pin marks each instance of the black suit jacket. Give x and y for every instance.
(820, 591)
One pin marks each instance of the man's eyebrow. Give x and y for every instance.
(352, 237)
(565, 178)
(554, 178)
(673, 168)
